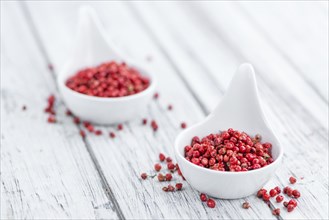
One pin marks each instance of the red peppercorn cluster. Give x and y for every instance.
(275, 192)
(109, 79)
(172, 168)
(50, 109)
(229, 150)
(210, 202)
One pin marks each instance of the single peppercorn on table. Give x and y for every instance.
(60, 170)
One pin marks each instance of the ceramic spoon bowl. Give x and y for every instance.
(241, 110)
(91, 49)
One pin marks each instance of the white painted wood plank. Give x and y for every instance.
(148, 201)
(238, 33)
(294, 133)
(46, 172)
(300, 31)
(122, 33)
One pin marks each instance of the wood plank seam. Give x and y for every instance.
(107, 189)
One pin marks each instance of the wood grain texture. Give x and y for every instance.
(194, 51)
(46, 172)
(294, 134)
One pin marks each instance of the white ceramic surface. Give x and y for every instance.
(239, 109)
(93, 48)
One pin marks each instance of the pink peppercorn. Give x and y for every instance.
(296, 193)
(292, 180)
(168, 176)
(171, 188)
(161, 177)
(290, 208)
(203, 197)
(168, 159)
(170, 107)
(273, 192)
(143, 176)
(211, 203)
(144, 121)
(162, 157)
(157, 167)
(279, 198)
(120, 127)
(276, 212)
(98, 132)
(154, 125)
(51, 119)
(179, 186)
(171, 166)
(266, 197)
(82, 133)
(112, 134)
(183, 125)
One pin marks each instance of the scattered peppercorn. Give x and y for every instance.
(112, 134)
(203, 197)
(296, 193)
(157, 167)
(171, 166)
(120, 127)
(211, 203)
(171, 188)
(156, 95)
(261, 192)
(109, 79)
(278, 190)
(161, 177)
(292, 202)
(183, 125)
(179, 186)
(290, 208)
(82, 133)
(162, 157)
(170, 107)
(279, 198)
(24, 107)
(168, 176)
(273, 192)
(51, 119)
(98, 132)
(144, 121)
(76, 120)
(246, 205)
(266, 197)
(292, 180)
(143, 176)
(276, 212)
(68, 112)
(168, 159)
(154, 125)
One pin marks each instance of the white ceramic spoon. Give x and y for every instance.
(93, 48)
(241, 110)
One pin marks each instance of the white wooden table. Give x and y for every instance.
(49, 171)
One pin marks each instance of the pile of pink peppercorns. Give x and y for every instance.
(110, 79)
(229, 150)
(275, 192)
